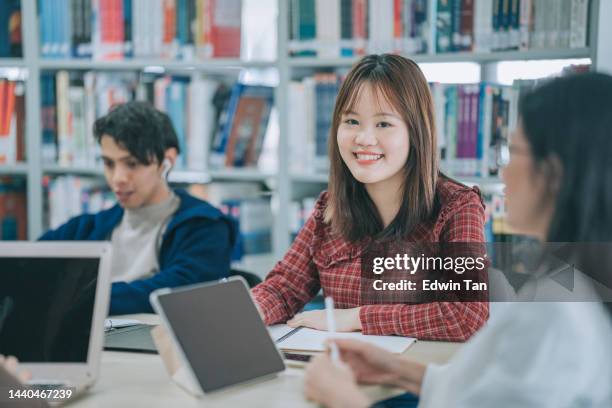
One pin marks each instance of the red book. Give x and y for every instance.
(359, 25)
(242, 142)
(467, 24)
(226, 19)
(397, 26)
(169, 27)
(111, 29)
(20, 121)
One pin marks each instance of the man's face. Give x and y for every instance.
(135, 184)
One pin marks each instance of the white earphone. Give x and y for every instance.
(166, 167)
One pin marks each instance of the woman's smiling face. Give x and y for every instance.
(373, 139)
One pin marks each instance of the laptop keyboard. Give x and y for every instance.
(48, 385)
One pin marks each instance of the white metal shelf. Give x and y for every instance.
(316, 178)
(56, 170)
(176, 176)
(480, 180)
(140, 64)
(19, 169)
(545, 54)
(241, 174)
(12, 63)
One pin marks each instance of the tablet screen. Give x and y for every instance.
(221, 334)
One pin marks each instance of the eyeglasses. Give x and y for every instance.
(503, 152)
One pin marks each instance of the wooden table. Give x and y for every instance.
(140, 380)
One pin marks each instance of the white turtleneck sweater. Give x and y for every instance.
(137, 239)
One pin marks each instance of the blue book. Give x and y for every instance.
(56, 16)
(66, 29)
(497, 7)
(444, 26)
(128, 47)
(217, 153)
(455, 28)
(346, 27)
(49, 146)
(5, 15)
(44, 28)
(182, 23)
(305, 20)
(176, 95)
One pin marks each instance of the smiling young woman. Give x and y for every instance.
(384, 185)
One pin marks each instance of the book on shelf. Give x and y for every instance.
(10, 29)
(71, 102)
(473, 123)
(242, 127)
(249, 207)
(299, 212)
(13, 208)
(337, 28)
(253, 217)
(311, 106)
(70, 196)
(12, 121)
(119, 29)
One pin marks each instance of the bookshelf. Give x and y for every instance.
(309, 62)
(308, 183)
(284, 184)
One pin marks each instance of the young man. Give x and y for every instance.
(160, 237)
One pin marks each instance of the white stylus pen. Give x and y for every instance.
(331, 328)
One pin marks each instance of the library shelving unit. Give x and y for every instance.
(34, 65)
(295, 184)
(285, 186)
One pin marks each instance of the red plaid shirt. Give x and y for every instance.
(320, 259)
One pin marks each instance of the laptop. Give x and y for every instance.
(135, 339)
(54, 297)
(218, 333)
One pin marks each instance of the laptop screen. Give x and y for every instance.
(46, 308)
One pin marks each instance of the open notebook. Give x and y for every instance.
(310, 340)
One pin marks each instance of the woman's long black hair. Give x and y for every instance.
(570, 119)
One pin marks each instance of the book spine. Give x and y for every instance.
(217, 158)
(77, 27)
(456, 14)
(467, 25)
(346, 28)
(495, 21)
(85, 49)
(526, 24)
(504, 25)
(514, 31)
(225, 28)
(49, 143)
(20, 121)
(444, 27)
(64, 136)
(169, 30)
(359, 25)
(256, 146)
(474, 115)
(397, 26)
(578, 23)
(451, 119)
(6, 146)
(128, 36)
